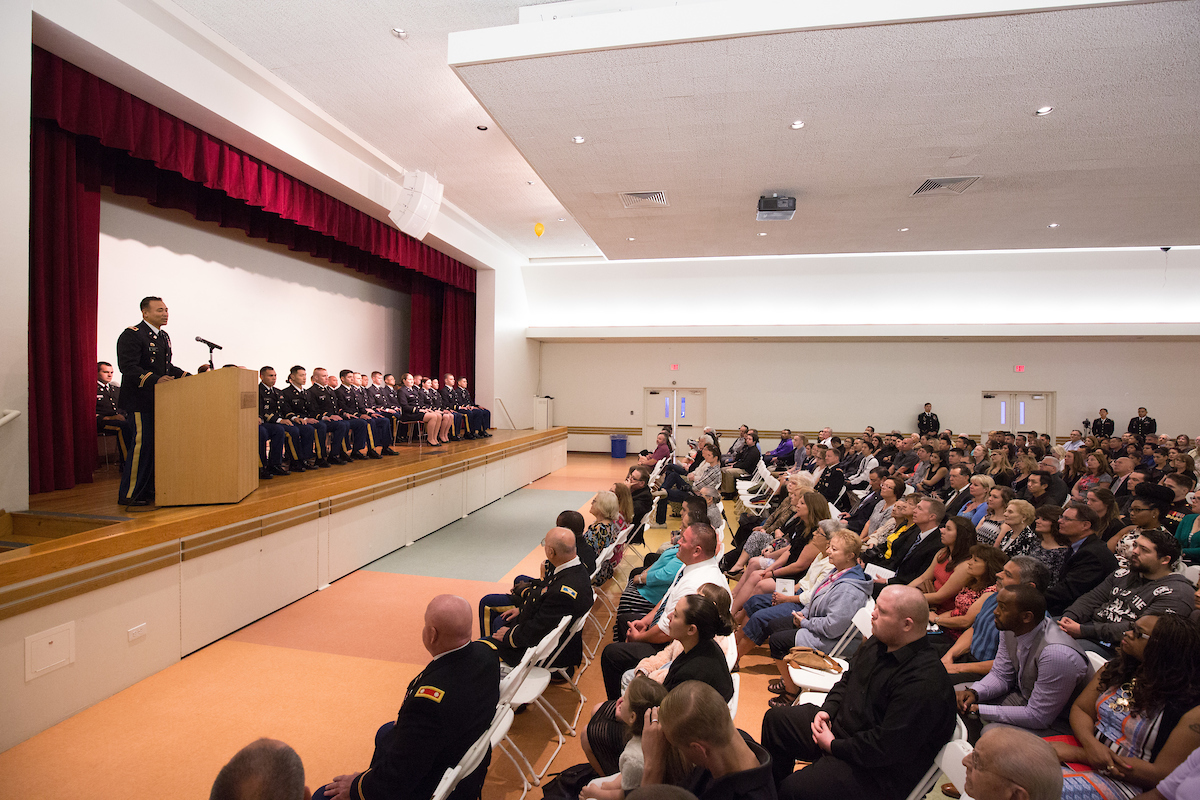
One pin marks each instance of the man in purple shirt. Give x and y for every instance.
(1038, 671)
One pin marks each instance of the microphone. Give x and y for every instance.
(211, 346)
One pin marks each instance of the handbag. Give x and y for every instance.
(813, 659)
(567, 784)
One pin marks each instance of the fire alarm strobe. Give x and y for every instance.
(776, 208)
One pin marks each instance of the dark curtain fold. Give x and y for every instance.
(457, 350)
(81, 103)
(425, 338)
(64, 237)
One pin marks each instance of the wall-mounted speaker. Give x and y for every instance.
(420, 199)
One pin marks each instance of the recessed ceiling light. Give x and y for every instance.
(630, 239)
(798, 124)
(583, 245)
(902, 230)
(578, 139)
(1052, 225)
(481, 127)
(762, 234)
(1043, 111)
(530, 183)
(400, 33)
(562, 219)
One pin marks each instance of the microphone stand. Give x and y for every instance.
(211, 348)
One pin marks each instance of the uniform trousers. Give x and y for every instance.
(123, 428)
(301, 440)
(460, 423)
(380, 431)
(137, 473)
(360, 433)
(339, 437)
(787, 736)
(271, 432)
(478, 420)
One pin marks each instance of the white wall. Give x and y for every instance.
(263, 303)
(507, 362)
(847, 385)
(14, 243)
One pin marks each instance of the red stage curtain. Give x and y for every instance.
(64, 236)
(425, 339)
(457, 351)
(81, 103)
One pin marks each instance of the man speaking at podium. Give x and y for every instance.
(144, 358)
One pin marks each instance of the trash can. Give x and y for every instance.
(618, 444)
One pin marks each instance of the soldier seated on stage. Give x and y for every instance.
(109, 419)
(479, 419)
(445, 710)
(353, 404)
(448, 401)
(300, 438)
(381, 401)
(358, 441)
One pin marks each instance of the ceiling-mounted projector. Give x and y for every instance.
(776, 208)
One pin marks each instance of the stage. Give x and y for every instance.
(193, 574)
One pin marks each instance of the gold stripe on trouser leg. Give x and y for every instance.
(291, 444)
(370, 435)
(488, 618)
(137, 454)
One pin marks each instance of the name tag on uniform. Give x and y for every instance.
(431, 692)
(568, 590)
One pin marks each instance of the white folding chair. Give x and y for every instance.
(1192, 573)
(733, 701)
(475, 754)
(1096, 660)
(927, 783)
(529, 689)
(950, 761)
(820, 681)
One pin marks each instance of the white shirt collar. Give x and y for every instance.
(156, 330)
(448, 652)
(573, 562)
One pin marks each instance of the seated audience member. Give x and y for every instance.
(935, 480)
(677, 487)
(1016, 536)
(1139, 717)
(414, 408)
(832, 482)
(692, 654)
(647, 585)
(881, 542)
(1122, 466)
(882, 724)
(1149, 506)
(1037, 673)
(794, 519)
(784, 449)
(1103, 503)
(1188, 532)
(1181, 485)
(915, 549)
(736, 446)
(1012, 764)
(603, 531)
(567, 592)
(265, 769)
(695, 721)
(859, 518)
(976, 508)
(947, 572)
(662, 449)
(1097, 474)
(981, 570)
(972, 652)
(788, 556)
(1035, 491)
(1052, 547)
(767, 529)
(867, 462)
(1088, 563)
(744, 463)
(646, 636)
(1146, 585)
(959, 493)
(881, 524)
(999, 468)
(446, 708)
(110, 419)
(629, 718)
(905, 460)
(827, 615)
(987, 528)
(638, 481)
(760, 613)
(713, 509)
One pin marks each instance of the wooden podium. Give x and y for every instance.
(206, 438)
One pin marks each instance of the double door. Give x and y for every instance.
(1018, 412)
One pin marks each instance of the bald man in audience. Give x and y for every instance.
(446, 708)
(265, 769)
(1012, 764)
(881, 726)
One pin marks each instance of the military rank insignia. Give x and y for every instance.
(568, 590)
(431, 692)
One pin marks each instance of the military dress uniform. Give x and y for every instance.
(1103, 427)
(927, 422)
(448, 400)
(362, 429)
(568, 592)
(143, 356)
(446, 708)
(300, 439)
(479, 420)
(381, 424)
(1141, 426)
(323, 404)
(379, 401)
(106, 406)
(299, 405)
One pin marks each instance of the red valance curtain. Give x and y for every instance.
(86, 133)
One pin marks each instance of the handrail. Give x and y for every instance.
(511, 424)
(9, 415)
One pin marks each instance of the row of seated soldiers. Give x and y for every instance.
(334, 419)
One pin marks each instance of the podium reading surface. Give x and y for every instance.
(206, 438)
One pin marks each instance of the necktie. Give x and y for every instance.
(662, 607)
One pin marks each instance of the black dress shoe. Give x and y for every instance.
(357, 456)
(136, 503)
(264, 474)
(278, 471)
(322, 463)
(387, 451)
(297, 467)
(371, 454)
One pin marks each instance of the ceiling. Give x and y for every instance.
(707, 122)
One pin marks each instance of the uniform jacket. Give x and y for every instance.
(377, 397)
(272, 406)
(106, 399)
(143, 357)
(299, 403)
(1140, 426)
(411, 400)
(568, 592)
(324, 400)
(1102, 427)
(446, 708)
(347, 400)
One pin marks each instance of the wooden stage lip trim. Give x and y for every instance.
(413, 467)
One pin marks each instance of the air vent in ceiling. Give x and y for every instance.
(946, 185)
(643, 199)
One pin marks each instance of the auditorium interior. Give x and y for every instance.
(997, 211)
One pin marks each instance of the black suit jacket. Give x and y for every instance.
(916, 557)
(958, 501)
(446, 708)
(1083, 571)
(858, 518)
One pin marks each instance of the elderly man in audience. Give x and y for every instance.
(914, 549)
(646, 636)
(1089, 562)
(960, 489)
(1012, 764)
(445, 709)
(265, 768)
(1147, 586)
(905, 460)
(1038, 671)
(694, 720)
(736, 446)
(881, 726)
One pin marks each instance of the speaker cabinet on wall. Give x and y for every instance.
(420, 199)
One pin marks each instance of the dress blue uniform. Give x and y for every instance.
(143, 356)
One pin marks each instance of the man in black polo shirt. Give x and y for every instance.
(881, 725)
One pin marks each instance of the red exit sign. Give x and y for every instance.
(675, 368)
(1019, 368)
